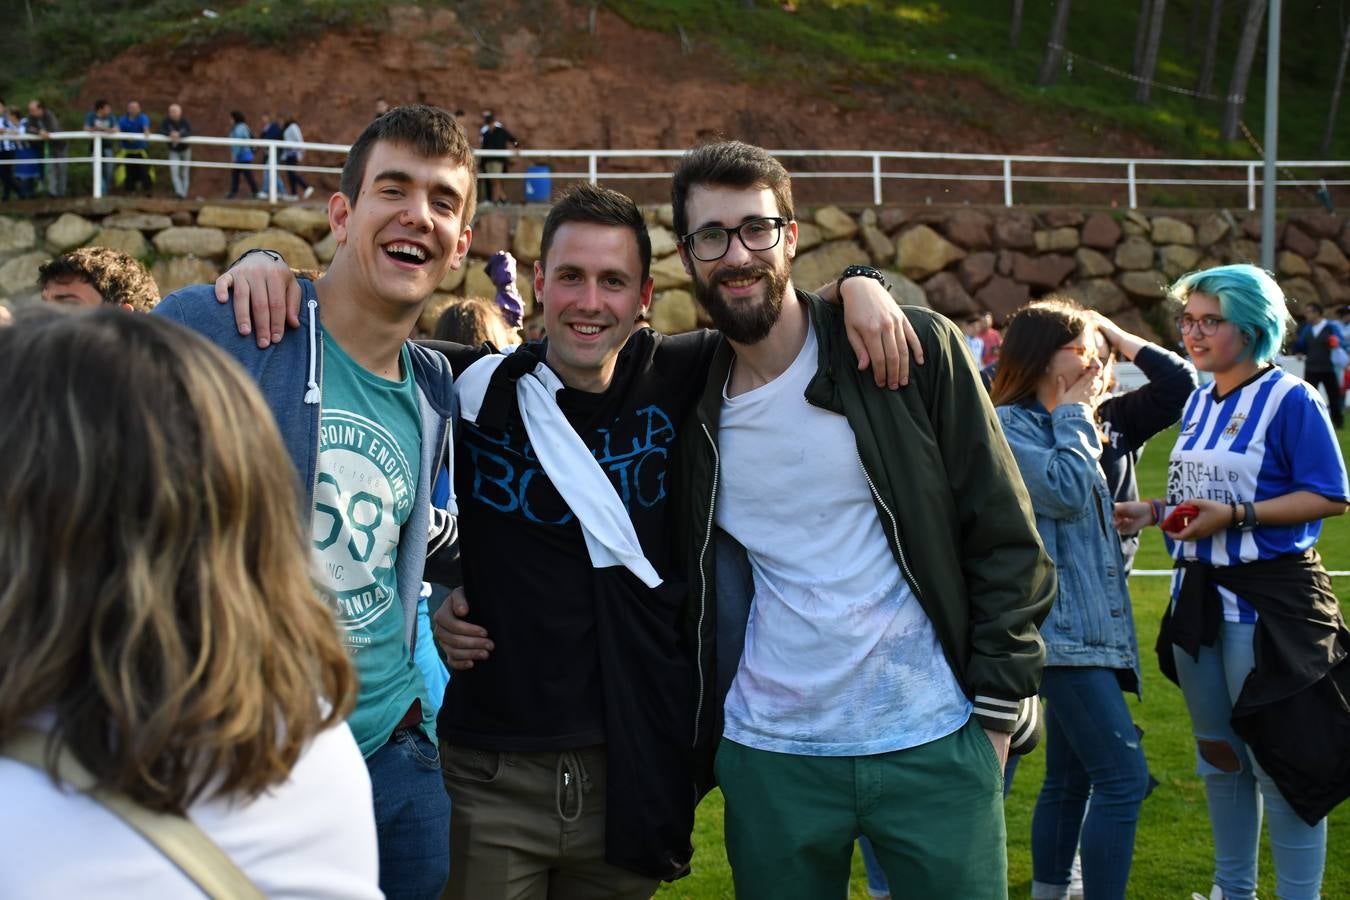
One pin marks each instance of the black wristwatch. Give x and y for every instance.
(859, 272)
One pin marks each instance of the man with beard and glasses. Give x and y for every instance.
(874, 692)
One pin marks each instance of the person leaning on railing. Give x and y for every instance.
(44, 121)
(101, 120)
(8, 152)
(138, 175)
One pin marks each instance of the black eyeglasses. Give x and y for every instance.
(1206, 325)
(711, 244)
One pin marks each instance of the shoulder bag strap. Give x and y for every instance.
(181, 841)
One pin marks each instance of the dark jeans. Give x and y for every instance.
(138, 176)
(248, 176)
(1091, 747)
(412, 816)
(297, 181)
(7, 179)
(1328, 380)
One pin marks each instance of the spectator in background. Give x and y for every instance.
(271, 128)
(45, 122)
(534, 328)
(1321, 344)
(138, 175)
(1344, 315)
(6, 317)
(1130, 419)
(29, 156)
(474, 321)
(158, 634)
(494, 136)
(92, 276)
(971, 327)
(878, 888)
(381, 107)
(241, 155)
(291, 156)
(272, 131)
(102, 120)
(9, 150)
(991, 340)
(177, 129)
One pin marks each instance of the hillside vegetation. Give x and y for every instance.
(871, 45)
(897, 52)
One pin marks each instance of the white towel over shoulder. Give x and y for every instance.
(578, 478)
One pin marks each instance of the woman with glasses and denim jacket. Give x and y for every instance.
(1047, 390)
(1254, 634)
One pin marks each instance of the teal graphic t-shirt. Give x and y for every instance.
(369, 455)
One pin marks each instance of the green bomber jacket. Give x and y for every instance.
(950, 500)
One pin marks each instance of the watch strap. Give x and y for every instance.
(860, 272)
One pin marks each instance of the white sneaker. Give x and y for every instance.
(1215, 893)
(261, 195)
(309, 191)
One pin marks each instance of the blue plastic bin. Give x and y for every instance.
(539, 184)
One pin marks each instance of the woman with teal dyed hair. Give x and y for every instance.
(1255, 469)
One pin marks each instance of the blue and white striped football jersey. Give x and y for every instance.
(1270, 437)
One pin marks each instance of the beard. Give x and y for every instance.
(744, 323)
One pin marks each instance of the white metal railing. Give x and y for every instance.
(878, 167)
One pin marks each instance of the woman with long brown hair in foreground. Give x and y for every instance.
(159, 627)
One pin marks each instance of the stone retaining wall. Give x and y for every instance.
(955, 260)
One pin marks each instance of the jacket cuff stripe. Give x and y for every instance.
(995, 714)
(982, 700)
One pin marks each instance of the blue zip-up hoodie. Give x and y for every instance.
(290, 374)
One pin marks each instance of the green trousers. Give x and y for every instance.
(934, 814)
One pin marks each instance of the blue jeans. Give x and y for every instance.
(1235, 785)
(1091, 748)
(412, 816)
(877, 885)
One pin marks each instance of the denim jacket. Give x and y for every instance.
(1091, 622)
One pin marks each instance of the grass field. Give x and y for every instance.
(1173, 852)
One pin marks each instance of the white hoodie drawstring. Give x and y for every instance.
(312, 395)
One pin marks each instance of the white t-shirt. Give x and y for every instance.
(840, 659)
(311, 837)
